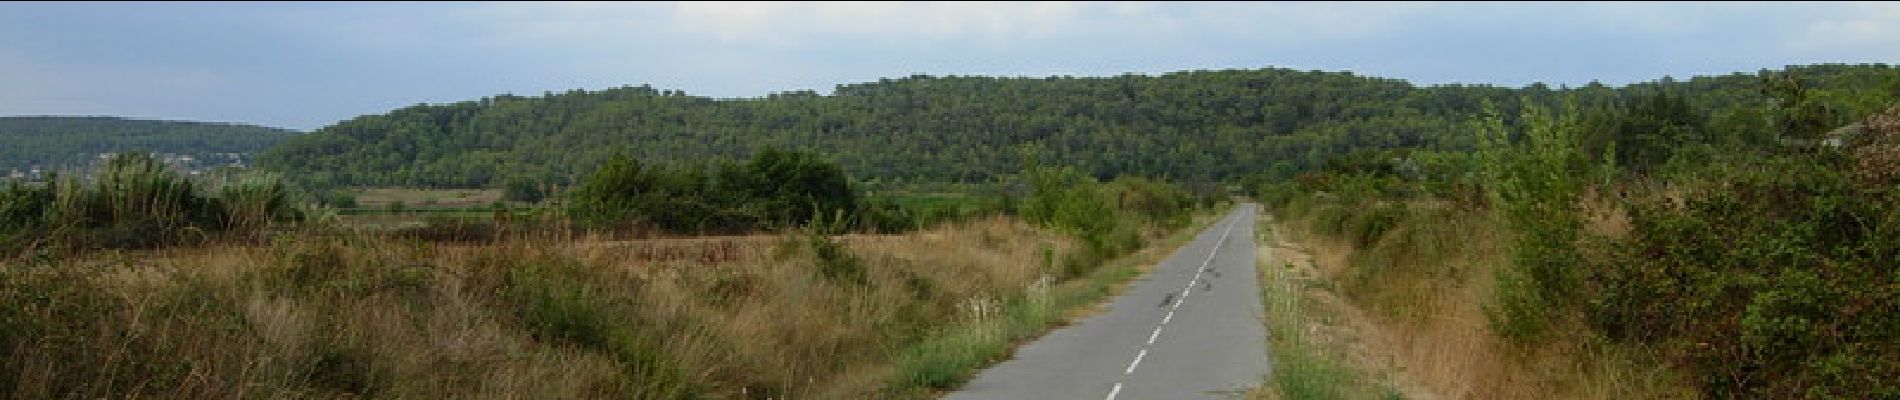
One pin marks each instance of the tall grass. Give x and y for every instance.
(1303, 367)
(1421, 289)
(134, 201)
(338, 314)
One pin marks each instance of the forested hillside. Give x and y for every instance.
(1200, 125)
(59, 142)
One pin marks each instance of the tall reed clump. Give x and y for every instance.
(134, 201)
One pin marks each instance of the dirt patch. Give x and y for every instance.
(1333, 322)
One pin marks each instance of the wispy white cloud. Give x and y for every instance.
(1871, 29)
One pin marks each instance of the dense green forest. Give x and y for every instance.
(1186, 126)
(75, 142)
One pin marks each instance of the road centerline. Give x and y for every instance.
(1185, 291)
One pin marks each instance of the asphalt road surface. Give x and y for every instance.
(1192, 329)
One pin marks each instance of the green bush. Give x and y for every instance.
(775, 189)
(523, 189)
(835, 262)
(1373, 223)
(1330, 219)
(1107, 217)
(1775, 280)
(1535, 182)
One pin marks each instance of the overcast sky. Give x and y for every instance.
(307, 65)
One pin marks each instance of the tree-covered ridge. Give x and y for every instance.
(1197, 125)
(53, 142)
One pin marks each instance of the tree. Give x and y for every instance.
(523, 189)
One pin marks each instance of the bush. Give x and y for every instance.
(1536, 184)
(1774, 281)
(835, 262)
(1372, 224)
(523, 189)
(1108, 218)
(775, 189)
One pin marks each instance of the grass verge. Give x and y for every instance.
(1303, 367)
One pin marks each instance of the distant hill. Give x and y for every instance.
(53, 143)
(1196, 125)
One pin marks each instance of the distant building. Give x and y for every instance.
(1835, 138)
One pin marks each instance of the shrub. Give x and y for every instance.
(1373, 223)
(1770, 281)
(1536, 184)
(775, 189)
(835, 262)
(522, 189)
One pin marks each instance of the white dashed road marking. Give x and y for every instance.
(1185, 291)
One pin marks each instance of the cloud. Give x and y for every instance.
(1863, 29)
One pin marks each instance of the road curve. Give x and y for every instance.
(1189, 330)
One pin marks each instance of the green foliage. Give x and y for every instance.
(788, 187)
(835, 262)
(39, 298)
(523, 189)
(136, 202)
(1801, 113)
(252, 201)
(54, 143)
(1370, 226)
(339, 198)
(1198, 125)
(1536, 183)
(775, 189)
(1772, 281)
(1643, 132)
(901, 212)
(945, 360)
(1697, 221)
(1190, 126)
(1107, 217)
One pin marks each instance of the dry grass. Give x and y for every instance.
(344, 315)
(427, 198)
(1409, 310)
(1602, 217)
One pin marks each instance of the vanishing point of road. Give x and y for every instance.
(1191, 329)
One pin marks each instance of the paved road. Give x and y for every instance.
(1189, 330)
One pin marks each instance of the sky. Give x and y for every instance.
(307, 65)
